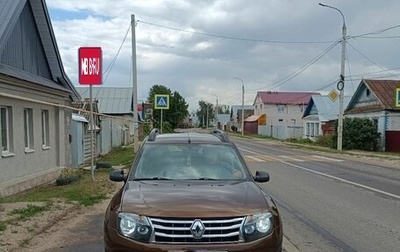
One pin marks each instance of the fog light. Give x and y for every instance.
(142, 230)
(249, 229)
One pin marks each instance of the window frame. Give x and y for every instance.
(8, 151)
(28, 130)
(45, 129)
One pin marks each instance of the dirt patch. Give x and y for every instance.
(20, 230)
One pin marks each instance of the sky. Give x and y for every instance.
(208, 49)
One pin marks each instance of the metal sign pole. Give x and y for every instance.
(161, 120)
(91, 132)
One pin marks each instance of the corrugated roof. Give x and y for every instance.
(111, 100)
(22, 75)
(383, 90)
(327, 109)
(10, 12)
(293, 98)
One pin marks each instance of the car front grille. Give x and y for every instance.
(216, 230)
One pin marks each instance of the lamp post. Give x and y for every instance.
(340, 85)
(216, 110)
(242, 103)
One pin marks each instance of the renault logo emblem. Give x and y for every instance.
(197, 229)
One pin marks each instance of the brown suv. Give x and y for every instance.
(191, 192)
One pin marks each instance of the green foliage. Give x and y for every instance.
(178, 107)
(30, 210)
(3, 226)
(147, 127)
(324, 141)
(206, 110)
(359, 134)
(300, 140)
(119, 156)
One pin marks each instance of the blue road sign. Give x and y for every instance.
(161, 102)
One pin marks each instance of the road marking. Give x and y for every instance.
(291, 158)
(332, 177)
(329, 159)
(344, 180)
(255, 159)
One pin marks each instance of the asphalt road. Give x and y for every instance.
(329, 203)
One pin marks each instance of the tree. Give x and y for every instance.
(206, 111)
(359, 134)
(177, 112)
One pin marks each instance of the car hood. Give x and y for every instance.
(193, 199)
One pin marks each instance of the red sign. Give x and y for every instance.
(90, 65)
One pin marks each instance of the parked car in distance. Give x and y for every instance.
(191, 192)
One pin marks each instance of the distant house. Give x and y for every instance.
(284, 112)
(222, 121)
(320, 114)
(236, 116)
(117, 126)
(36, 97)
(376, 99)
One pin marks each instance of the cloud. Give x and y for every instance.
(197, 47)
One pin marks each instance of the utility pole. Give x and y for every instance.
(242, 104)
(134, 84)
(340, 85)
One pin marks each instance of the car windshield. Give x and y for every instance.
(189, 161)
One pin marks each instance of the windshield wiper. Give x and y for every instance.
(152, 178)
(206, 178)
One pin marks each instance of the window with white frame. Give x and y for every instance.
(312, 129)
(5, 129)
(281, 108)
(28, 127)
(45, 129)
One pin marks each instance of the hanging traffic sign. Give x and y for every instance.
(333, 95)
(161, 101)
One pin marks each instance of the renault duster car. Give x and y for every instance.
(191, 192)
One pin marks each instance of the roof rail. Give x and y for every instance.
(152, 136)
(221, 135)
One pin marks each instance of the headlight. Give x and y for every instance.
(257, 226)
(134, 226)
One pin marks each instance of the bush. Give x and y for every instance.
(324, 141)
(359, 134)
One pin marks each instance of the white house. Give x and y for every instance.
(284, 112)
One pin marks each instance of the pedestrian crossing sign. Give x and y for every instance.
(161, 101)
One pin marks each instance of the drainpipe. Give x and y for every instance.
(385, 126)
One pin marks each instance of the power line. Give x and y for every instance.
(376, 32)
(301, 69)
(352, 47)
(234, 38)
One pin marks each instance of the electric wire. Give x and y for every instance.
(376, 32)
(301, 69)
(363, 55)
(231, 37)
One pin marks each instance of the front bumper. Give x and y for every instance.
(114, 242)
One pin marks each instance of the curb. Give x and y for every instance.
(288, 246)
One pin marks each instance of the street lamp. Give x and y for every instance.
(340, 85)
(242, 104)
(216, 110)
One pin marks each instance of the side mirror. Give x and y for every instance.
(261, 176)
(117, 176)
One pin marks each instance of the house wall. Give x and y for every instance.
(312, 127)
(21, 169)
(282, 119)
